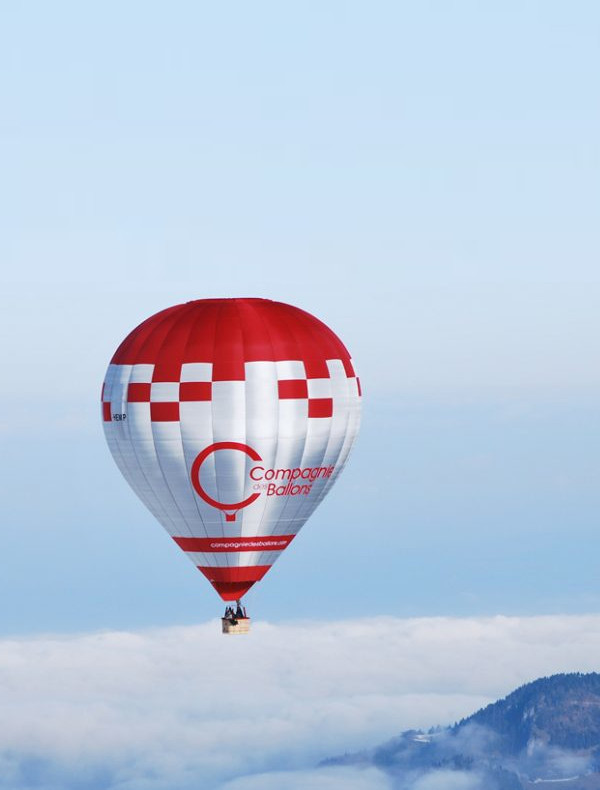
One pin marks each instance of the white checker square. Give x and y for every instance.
(120, 374)
(164, 392)
(336, 368)
(290, 369)
(259, 372)
(196, 371)
(141, 374)
(111, 372)
(319, 388)
(228, 410)
(293, 416)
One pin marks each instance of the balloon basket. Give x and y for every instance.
(239, 626)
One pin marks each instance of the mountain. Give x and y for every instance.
(562, 710)
(544, 735)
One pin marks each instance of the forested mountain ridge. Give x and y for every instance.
(545, 734)
(562, 710)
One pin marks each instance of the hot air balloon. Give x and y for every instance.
(231, 419)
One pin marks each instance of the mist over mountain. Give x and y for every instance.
(545, 734)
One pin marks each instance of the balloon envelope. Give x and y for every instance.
(231, 419)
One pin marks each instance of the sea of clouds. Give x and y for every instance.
(187, 708)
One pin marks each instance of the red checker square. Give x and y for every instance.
(106, 412)
(167, 371)
(164, 412)
(138, 393)
(293, 388)
(228, 370)
(358, 386)
(320, 407)
(316, 368)
(195, 390)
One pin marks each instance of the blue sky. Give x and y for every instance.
(422, 177)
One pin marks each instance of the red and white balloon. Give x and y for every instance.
(231, 419)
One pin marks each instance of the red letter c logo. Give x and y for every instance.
(195, 476)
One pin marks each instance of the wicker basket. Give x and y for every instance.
(238, 626)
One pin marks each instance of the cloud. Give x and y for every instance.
(322, 779)
(449, 780)
(159, 709)
(548, 761)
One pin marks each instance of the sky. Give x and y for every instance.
(424, 179)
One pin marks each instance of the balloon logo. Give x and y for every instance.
(231, 419)
(195, 475)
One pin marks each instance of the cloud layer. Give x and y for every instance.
(187, 708)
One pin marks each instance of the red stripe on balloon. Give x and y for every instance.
(232, 583)
(240, 574)
(228, 350)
